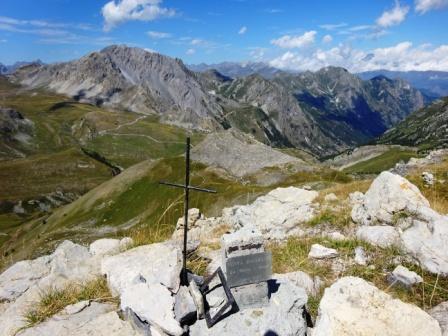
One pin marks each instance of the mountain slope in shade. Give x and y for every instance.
(426, 128)
(133, 79)
(351, 109)
(432, 83)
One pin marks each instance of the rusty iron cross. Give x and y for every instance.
(187, 187)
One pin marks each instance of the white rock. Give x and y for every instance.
(321, 252)
(360, 256)
(126, 243)
(93, 319)
(152, 303)
(184, 306)
(427, 242)
(301, 279)
(105, 246)
(335, 235)
(356, 197)
(283, 316)
(21, 276)
(428, 178)
(353, 307)
(388, 194)
(404, 276)
(383, 236)
(277, 214)
(440, 313)
(331, 197)
(153, 264)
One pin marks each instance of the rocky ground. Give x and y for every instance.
(346, 262)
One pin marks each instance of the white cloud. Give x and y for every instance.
(242, 30)
(3, 41)
(257, 53)
(327, 39)
(394, 16)
(158, 35)
(401, 57)
(119, 11)
(333, 26)
(190, 51)
(290, 42)
(423, 6)
(197, 41)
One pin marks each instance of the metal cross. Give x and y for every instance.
(187, 187)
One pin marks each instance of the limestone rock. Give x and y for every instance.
(126, 243)
(152, 264)
(380, 235)
(156, 308)
(405, 277)
(277, 214)
(20, 276)
(335, 235)
(184, 306)
(360, 256)
(105, 246)
(93, 319)
(427, 241)
(23, 283)
(331, 197)
(428, 178)
(321, 252)
(389, 194)
(353, 307)
(440, 313)
(283, 316)
(301, 279)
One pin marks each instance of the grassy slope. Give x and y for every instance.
(54, 160)
(382, 162)
(134, 201)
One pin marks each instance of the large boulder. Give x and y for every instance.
(284, 315)
(388, 195)
(277, 214)
(394, 212)
(153, 264)
(353, 307)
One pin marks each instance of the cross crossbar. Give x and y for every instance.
(189, 187)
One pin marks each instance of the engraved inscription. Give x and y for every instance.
(247, 269)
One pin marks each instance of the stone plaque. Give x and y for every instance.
(249, 269)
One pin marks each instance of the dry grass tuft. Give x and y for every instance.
(54, 300)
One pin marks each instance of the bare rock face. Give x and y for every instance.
(277, 214)
(130, 78)
(152, 264)
(394, 211)
(353, 307)
(321, 252)
(240, 155)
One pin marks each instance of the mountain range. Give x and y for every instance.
(7, 69)
(432, 83)
(322, 112)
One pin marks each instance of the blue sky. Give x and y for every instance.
(358, 34)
